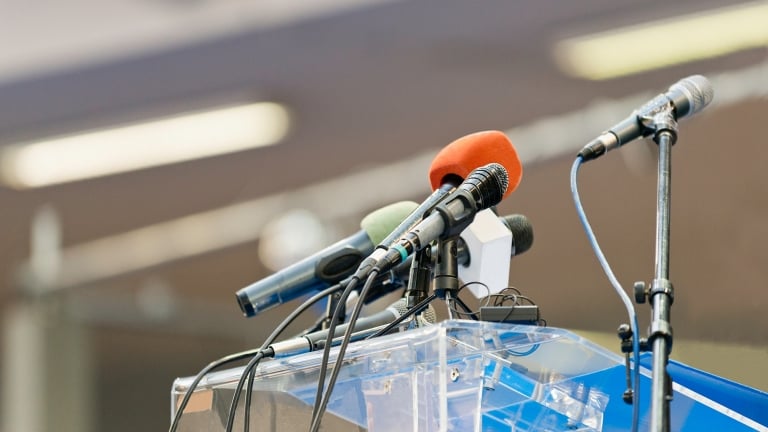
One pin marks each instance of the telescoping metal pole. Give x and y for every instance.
(661, 292)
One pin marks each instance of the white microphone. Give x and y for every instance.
(489, 243)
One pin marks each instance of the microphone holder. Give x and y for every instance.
(661, 293)
(447, 284)
(419, 278)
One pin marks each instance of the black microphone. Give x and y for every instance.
(685, 98)
(483, 188)
(522, 232)
(324, 268)
(449, 168)
(398, 276)
(363, 328)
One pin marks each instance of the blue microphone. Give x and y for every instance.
(324, 268)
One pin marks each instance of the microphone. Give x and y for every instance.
(459, 158)
(685, 98)
(449, 168)
(491, 241)
(522, 232)
(324, 268)
(363, 328)
(483, 188)
(522, 240)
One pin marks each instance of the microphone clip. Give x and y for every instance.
(661, 122)
(455, 224)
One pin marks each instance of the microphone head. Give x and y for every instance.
(379, 223)
(691, 95)
(426, 317)
(487, 185)
(458, 159)
(400, 307)
(522, 232)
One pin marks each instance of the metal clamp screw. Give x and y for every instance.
(455, 374)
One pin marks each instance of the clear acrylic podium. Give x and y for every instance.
(459, 376)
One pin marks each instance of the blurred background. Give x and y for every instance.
(157, 156)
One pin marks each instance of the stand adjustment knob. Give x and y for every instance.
(640, 292)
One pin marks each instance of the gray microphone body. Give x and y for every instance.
(685, 98)
(363, 328)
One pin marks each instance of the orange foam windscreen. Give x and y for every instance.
(472, 151)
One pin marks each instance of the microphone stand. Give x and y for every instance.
(661, 293)
(446, 281)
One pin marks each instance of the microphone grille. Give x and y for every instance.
(698, 90)
(522, 232)
(400, 307)
(426, 317)
(487, 184)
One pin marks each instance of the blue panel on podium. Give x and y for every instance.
(461, 376)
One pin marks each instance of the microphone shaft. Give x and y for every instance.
(316, 340)
(406, 226)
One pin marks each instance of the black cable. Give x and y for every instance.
(417, 308)
(500, 297)
(487, 290)
(248, 397)
(257, 354)
(329, 340)
(251, 367)
(513, 289)
(280, 328)
(317, 419)
(511, 311)
(211, 366)
(467, 311)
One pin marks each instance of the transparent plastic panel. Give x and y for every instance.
(453, 376)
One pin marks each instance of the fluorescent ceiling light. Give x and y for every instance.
(159, 142)
(342, 197)
(661, 43)
(204, 232)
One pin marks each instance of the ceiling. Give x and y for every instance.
(378, 88)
